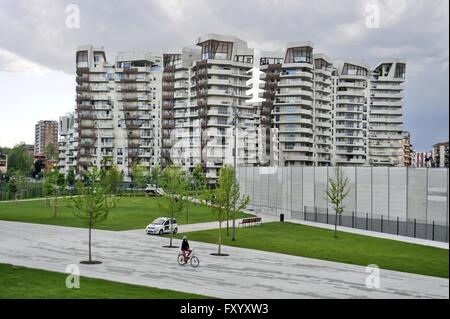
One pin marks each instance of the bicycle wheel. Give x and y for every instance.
(180, 259)
(195, 262)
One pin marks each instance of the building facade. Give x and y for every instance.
(184, 106)
(67, 144)
(440, 154)
(204, 93)
(46, 133)
(3, 164)
(408, 151)
(118, 109)
(331, 112)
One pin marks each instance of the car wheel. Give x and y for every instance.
(175, 230)
(161, 232)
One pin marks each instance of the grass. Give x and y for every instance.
(313, 242)
(24, 283)
(131, 213)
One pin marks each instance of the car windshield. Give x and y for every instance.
(159, 221)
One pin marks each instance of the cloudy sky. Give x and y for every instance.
(37, 48)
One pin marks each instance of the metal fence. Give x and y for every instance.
(396, 200)
(31, 190)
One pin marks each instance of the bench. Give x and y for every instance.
(251, 221)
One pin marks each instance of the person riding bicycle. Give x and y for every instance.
(185, 249)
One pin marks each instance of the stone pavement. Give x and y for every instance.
(245, 274)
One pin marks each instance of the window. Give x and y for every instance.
(400, 70)
(350, 69)
(299, 55)
(218, 50)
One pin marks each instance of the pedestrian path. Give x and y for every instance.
(244, 274)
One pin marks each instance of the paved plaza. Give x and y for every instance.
(137, 258)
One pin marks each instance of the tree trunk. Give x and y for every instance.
(55, 210)
(90, 237)
(228, 217)
(234, 229)
(335, 225)
(171, 229)
(220, 236)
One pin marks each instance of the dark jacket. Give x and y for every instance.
(184, 244)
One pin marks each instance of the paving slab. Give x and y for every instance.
(244, 274)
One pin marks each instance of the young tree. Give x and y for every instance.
(337, 191)
(90, 206)
(51, 152)
(155, 175)
(71, 177)
(113, 180)
(174, 183)
(19, 159)
(138, 176)
(54, 183)
(12, 187)
(228, 195)
(199, 182)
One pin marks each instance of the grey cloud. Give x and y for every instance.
(412, 29)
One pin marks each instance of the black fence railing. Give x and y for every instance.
(391, 225)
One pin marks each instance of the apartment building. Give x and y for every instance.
(46, 132)
(67, 143)
(3, 164)
(330, 112)
(118, 109)
(204, 93)
(440, 154)
(408, 151)
(385, 113)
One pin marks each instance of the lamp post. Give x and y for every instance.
(235, 120)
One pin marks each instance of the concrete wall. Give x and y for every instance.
(409, 199)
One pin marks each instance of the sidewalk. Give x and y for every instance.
(203, 226)
(244, 274)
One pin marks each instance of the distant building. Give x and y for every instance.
(407, 149)
(30, 149)
(423, 159)
(67, 147)
(440, 154)
(46, 132)
(3, 164)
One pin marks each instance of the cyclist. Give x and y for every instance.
(185, 249)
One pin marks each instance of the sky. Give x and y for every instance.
(38, 40)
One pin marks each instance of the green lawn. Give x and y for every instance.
(131, 213)
(313, 242)
(20, 282)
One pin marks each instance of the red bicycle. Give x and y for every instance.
(192, 258)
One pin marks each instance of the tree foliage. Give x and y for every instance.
(175, 185)
(138, 176)
(337, 191)
(90, 205)
(54, 183)
(225, 200)
(19, 159)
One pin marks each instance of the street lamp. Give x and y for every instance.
(235, 120)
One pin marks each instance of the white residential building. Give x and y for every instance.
(325, 112)
(118, 109)
(202, 89)
(67, 143)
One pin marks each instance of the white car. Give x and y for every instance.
(161, 226)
